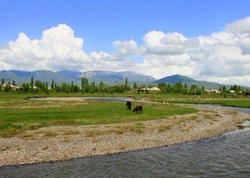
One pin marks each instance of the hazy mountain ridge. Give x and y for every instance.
(189, 81)
(69, 76)
(116, 77)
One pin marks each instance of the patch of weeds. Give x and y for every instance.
(137, 130)
(119, 131)
(139, 125)
(185, 129)
(26, 136)
(62, 122)
(45, 148)
(66, 139)
(71, 132)
(50, 134)
(94, 133)
(10, 132)
(35, 126)
(232, 112)
(194, 117)
(122, 129)
(218, 115)
(163, 128)
(17, 126)
(208, 116)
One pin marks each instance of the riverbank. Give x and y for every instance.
(66, 142)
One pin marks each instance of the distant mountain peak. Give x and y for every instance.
(172, 79)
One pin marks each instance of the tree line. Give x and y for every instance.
(179, 88)
(37, 86)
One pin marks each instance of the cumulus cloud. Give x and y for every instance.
(239, 26)
(222, 56)
(58, 48)
(126, 48)
(164, 43)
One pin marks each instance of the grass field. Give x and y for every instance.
(243, 102)
(17, 114)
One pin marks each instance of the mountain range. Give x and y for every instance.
(69, 76)
(97, 76)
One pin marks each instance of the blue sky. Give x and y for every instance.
(100, 22)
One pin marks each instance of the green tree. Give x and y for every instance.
(135, 86)
(14, 83)
(32, 82)
(92, 87)
(126, 82)
(25, 87)
(85, 84)
(185, 89)
(2, 81)
(53, 84)
(101, 87)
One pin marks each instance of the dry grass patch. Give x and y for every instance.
(232, 112)
(94, 133)
(45, 148)
(211, 117)
(66, 139)
(71, 132)
(217, 114)
(163, 128)
(193, 117)
(137, 128)
(208, 116)
(50, 134)
(27, 136)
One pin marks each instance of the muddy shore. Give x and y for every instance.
(66, 142)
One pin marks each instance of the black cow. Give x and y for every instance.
(128, 105)
(138, 109)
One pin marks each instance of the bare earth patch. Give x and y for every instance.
(66, 142)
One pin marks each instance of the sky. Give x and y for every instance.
(206, 40)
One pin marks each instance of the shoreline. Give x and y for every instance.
(59, 143)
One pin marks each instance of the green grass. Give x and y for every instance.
(243, 102)
(159, 97)
(18, 114)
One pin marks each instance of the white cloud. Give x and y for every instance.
(58, 48)
(125, 48)
(239, 26)
(159, 42)
(222, 56)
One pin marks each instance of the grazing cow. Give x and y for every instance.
(138, 109)
(128, 105)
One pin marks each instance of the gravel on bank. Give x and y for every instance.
(66, 142)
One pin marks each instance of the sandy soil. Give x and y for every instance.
(66, 142)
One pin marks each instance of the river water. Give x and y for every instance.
(225, 156)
